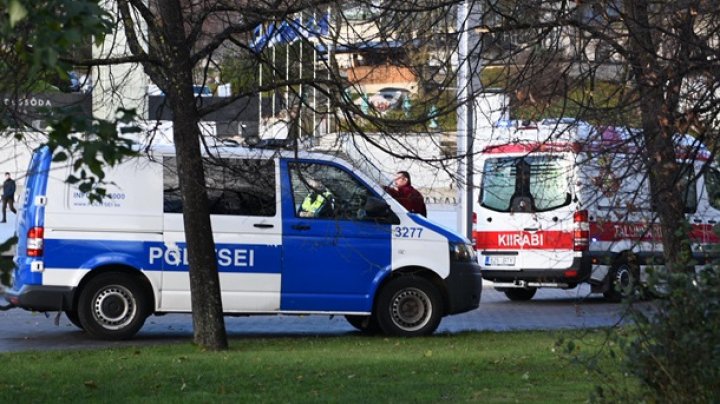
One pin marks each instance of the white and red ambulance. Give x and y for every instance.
(563, 203)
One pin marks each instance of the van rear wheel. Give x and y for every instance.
(623, 279)
(409, 306)
(520, 294)
(113, 306)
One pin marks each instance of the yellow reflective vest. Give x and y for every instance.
(314, 202)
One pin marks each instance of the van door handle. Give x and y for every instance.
(263, 226)
(300, 227)
(712, 221)
(699, 221)
(531, 229)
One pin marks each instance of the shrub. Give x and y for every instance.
(676, 350)
(670, 352)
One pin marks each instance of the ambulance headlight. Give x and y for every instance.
(462, 252)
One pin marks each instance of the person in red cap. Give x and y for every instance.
(408, 196)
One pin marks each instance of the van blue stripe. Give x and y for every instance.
(154, 256)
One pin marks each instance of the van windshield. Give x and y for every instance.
(525, 184)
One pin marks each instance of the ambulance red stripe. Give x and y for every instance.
(560, 240)
(518, 240)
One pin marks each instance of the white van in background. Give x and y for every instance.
(110, 265)
(562, 203)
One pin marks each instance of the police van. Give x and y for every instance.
(108, 265)
(563, 203)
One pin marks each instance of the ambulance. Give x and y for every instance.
(108, 265)
(563, 203)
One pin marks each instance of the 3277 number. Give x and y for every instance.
(408, 232)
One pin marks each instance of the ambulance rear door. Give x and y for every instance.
(525, 212)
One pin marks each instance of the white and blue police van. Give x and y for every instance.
(109, 265)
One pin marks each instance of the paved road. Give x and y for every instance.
(550, 309)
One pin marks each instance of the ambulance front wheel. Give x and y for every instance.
(409, 306)
(112, 306)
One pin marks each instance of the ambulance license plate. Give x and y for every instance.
(500, 260)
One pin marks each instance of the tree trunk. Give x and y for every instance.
(664, 172)
(667, 192)
(208, 321)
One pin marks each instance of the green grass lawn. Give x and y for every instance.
(470, 367)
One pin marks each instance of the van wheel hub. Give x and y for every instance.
(410, 308)
(114, 307)
(623, 280)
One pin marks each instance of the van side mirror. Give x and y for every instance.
(378, 209)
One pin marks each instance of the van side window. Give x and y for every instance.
(172, 202)
(525, 184)
(689, 184)
(712, 184)
(325, 191)
(235, 186)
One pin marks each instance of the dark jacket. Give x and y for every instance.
(410, 198)
(9, 188)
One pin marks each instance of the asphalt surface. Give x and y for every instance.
(550, 309)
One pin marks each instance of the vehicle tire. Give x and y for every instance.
(623, 278)
(520, 294)
(366, 324)
(409, 306)
(73, 317)
(113, 306)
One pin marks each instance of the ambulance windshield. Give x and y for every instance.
(525, 184)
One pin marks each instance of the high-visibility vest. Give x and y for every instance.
(314, 201)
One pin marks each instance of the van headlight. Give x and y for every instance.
(462, 252)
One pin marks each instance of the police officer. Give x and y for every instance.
(317, 202)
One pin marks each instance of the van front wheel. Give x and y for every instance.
(409, 306)
(112, 306)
